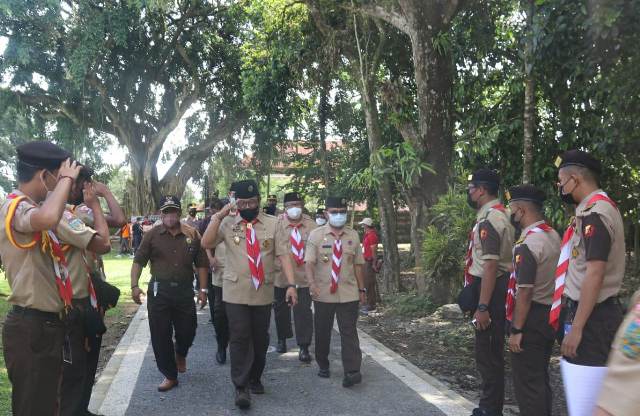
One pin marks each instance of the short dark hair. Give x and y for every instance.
(26, 172)
(491, 188)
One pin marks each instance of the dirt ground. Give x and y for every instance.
(444, 349)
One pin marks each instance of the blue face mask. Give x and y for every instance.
(338, 220)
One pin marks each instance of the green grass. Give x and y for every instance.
(118, 272)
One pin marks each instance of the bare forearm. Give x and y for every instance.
(211, 233)
(116, 216)
(136, 271)
(523, 305)
(49, 214)
(488, 281)
(203, 277)
(359, 275)
(589, 292)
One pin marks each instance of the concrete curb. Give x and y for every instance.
(114, 388)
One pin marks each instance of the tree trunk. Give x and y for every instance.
(529, 98)
(323, 111)
(388, 220)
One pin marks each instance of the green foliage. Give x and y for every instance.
(410, 304)
(445, 242)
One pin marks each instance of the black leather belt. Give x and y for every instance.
(573, 304)
(171, 283)
(35, 313)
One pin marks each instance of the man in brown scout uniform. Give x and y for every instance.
(297, 227)
(594, 265)
(252, 245)
(173, 249)
(334, 270)
(619, 395)
(488, 272)
(33, 332)
(531, 286)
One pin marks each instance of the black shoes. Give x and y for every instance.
(304, 355)
(324, 373)
(221, 356)
(281, 348)
(351, 379)
(256, 387)
(484, 412)
(243, 398)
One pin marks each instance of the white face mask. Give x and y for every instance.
(321, 221)
(294, 212)
(338, 220)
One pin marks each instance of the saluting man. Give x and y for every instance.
(174, 250)
(334, 270)
(33, 333)
(297, 226)
(252, 245)
(591, 265)
(488, 264)
(529, 296)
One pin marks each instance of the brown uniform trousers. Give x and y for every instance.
(302, 315)
(32, 345)
(531, 366)
(74, 378)
(489, 347)
(347, 316)
(370, 283)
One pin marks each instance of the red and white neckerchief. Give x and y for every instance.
(336, 263)
(563, 262)
(253, 254)
(49, 244)
(297, 245)
(468, 260)
(512, 286)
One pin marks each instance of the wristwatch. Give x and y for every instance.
(292, 286)
(204, 290)
(483, 307)
(362, 290)
(516, 331)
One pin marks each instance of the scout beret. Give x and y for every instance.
(292, 197)
(485, 177)
(320, 211)
(41, 154)
(245, 189)
(170, 201)
(273, 197)
(526, 192)
(336, 202)
(579, 158)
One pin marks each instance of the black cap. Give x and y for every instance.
(292, 197)
(485, 177)
(41, 154)
(526, 192)
(579, 158)
(170, 201)
(272, 196)
(320, 211)
(245, 189)
(336, 202)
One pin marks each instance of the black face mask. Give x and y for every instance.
(249, 214)
(473, 204)
(567, 198)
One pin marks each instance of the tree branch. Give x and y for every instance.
(390, 15)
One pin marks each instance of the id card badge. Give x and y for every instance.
(155, 289)
(66, 350)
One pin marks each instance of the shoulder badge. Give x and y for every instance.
(589, 231)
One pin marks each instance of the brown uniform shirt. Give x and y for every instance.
(93, 260)
(172, 257)
(619, 395)
(319, 252)
(237, 285)
(535, 259)
(599, 235)
(75, 233)
(218, 272)
(492, 239)
(308, 225)
(30, 272)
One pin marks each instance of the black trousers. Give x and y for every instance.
(219, 316)
(249, 340)
(489, 348)
(74, 374)
(302, 316)
(531, 366)
(172, 309)
(33, 356)
(598, 333)
(347, 316)
(93, 356)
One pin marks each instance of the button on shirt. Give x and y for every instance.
(172, 257)
(319, 252)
